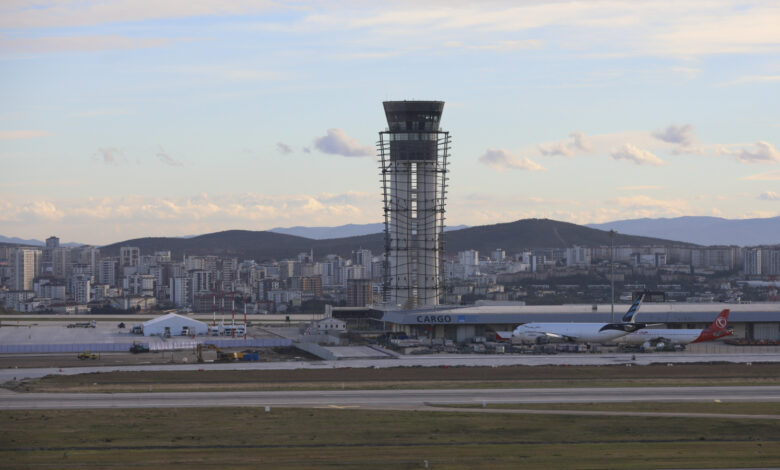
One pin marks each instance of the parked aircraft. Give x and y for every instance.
(581, 332)
(658, 338)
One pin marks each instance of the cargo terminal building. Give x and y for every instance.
(754, 321)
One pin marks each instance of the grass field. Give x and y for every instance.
(410, 378)
(326, 438)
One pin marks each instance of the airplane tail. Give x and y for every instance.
(717, 328)
(720, 322)
(631, 313)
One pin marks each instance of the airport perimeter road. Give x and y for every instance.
(448, 360)
(378, 399)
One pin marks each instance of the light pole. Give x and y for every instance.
(612, 274)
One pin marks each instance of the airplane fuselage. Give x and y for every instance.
(569, 332)
(678, 336)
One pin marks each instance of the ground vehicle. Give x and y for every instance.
(139, 348)
(86, 324)
(227, 356)
(87, 355)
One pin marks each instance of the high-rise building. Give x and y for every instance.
(107, 271)
(753, 261)
(358, 293)
(23, 268)
(413, 154)
(129, 256)
(81, 288)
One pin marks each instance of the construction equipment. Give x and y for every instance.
(227, 356)
(202, 346)
(139, 348)
(87, 355)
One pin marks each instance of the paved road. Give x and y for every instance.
(385, 398)
(450, 360)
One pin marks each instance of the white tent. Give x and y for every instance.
(174, 325)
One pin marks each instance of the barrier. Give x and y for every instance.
(153, 346)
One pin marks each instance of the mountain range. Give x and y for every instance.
(513, 237)
(263, 245)
(342, 231)
(31, 242)
(702, 230)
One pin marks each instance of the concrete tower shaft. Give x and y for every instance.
(413, 154)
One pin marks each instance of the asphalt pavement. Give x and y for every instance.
(392, 399)
(438, 360)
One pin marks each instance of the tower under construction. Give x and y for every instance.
(413, 155)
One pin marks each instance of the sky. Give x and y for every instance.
(131, 118)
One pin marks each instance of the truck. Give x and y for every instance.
(86, 324)
(87, 355)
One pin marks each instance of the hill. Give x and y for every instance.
(702, 230)
(512, 237)
(539, 233)
(341, 231)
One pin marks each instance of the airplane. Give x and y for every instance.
(659, 338)
(581, 332)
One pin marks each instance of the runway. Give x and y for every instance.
(385, 399)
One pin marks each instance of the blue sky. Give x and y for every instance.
(148, 118)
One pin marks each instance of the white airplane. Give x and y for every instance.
(659, 338)
(581, 332)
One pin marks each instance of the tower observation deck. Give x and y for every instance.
(413, 154)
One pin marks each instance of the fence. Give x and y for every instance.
(153, 346)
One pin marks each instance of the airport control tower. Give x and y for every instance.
(413, 157)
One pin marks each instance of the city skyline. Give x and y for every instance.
(130, 118)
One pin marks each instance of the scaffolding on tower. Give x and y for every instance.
(413, 154)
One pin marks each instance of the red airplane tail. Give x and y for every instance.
(717, 329)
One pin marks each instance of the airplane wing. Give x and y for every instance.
(566, 338)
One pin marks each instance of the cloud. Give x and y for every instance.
(682, 137)
(98, 113)
(768, 176)
(53, 44)
(501, 159)
(636, 155)
(764, 152)
(567, 148)
(29, 211)
(580, 141)
(638, 187)
(644, 206)
(111, 155)
(283, 148)
(118, 218)
(688, 72)
(674, 134)
(337, 142)
(166, 158)
(500, 46)
(769, 196)
(754, 79)
(54, 13)
(306, 150)
(22, 134)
